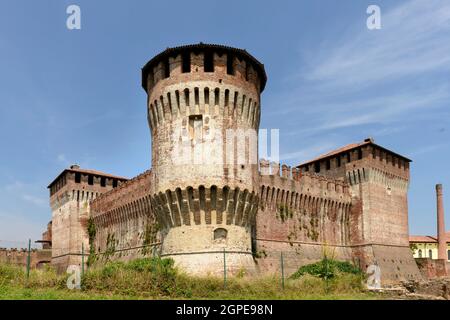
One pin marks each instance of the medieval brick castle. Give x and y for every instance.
(351, 201)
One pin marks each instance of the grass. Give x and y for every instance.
(159, 279)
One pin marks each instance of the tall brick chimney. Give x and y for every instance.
(442, 242)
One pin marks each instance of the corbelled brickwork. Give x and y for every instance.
(206, 192)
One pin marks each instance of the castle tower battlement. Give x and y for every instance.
(204, 112)
(70, 196)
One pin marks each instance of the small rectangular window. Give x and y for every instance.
(208, 61)
(103, 181)
(77, 177)
(317, 167)
(90, 180)
(328, 164)
(114, 183)
(186, 62)
(230, 64)
(360, 154)
(166, 68)
(338, 161)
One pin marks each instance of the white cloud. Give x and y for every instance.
(382, 77)
(308, 152)
(415, 38)
(15, 230)
(37, 201)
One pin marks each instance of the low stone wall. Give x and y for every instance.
(432, 268)
(18, 257)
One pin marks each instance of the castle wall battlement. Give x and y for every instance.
(182, 63)
(124, 219)
(38, 258)
(125, 193)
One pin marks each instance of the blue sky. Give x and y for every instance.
(75, 96)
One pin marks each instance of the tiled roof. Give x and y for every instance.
(349, 147)
(428, 239)
(86, 171)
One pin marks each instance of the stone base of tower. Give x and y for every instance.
(201, 249)
(212, 263)
(396, 262)
(61, 263)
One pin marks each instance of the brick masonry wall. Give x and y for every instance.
(125, 221)
(201, 184)
(70, 212)
(302, 216)
(431, 269)
(38, 258)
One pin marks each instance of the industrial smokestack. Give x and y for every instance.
(442, 241)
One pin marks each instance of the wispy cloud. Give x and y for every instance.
(16, 229)
(307, 153)
(37, 201)
(385, 77)
(411, 42)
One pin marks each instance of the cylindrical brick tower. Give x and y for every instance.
(204, 111)
(442, 241)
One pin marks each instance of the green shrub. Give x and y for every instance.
(327, 269)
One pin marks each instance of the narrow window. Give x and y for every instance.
(186, 62)
(114, 183)
(177, 97)
(236, 95)
(169, 100)
(360, 155)
(227, 97)
(90, 180)
(430, 254)
(230, 64)
(207, 96)
(186, 97)
(103, 181)
(216, 96)
(317, 167)
(77, 177)
(208, 61)
(338, 161)
(348, 157)
(328, 164)
(166, 68)
(420, 253)
(197, 97)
